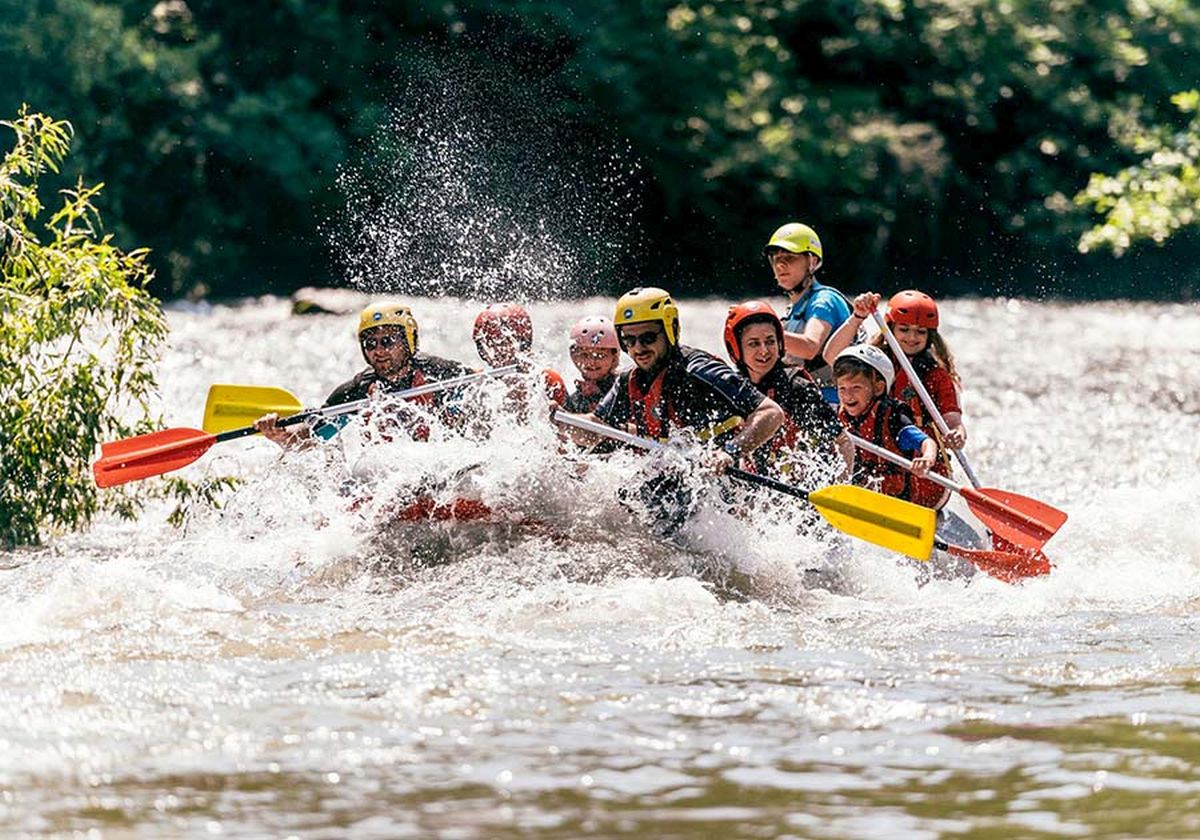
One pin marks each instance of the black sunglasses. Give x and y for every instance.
(387, 342)
(646, 339)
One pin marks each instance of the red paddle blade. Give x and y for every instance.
(1008, 566)
(149, 455)
(1023, 521)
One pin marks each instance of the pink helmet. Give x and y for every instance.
(592, 332)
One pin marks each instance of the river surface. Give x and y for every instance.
(287, 666)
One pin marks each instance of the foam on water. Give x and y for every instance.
(294, 630)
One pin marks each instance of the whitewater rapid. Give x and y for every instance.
(564, 673)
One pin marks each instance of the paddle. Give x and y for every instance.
(171, 449)
(998, 540)
(885, 521)
(923, 393)
(1024, 522)
(233, 406)
(1008, 566)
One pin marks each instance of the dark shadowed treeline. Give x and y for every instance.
(932, 142)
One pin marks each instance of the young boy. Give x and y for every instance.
(596, 352)
(864, 375)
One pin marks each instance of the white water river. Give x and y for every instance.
(261, 673)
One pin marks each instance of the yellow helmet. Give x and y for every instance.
(649, 304)
(797, 238)
(390, 314)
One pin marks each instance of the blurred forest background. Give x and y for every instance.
(965, 146)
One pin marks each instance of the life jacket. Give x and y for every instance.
(418, 430)
(587, 394)
(903, 390)
(876, 425)
(651, 410)
(655, 413)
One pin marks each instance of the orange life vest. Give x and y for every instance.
(875, 425)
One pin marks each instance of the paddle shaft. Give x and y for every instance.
(901, 461)
(171, 449)
(359, 405)
(891, 523)
(979, 499)
(926, 399)
(607, 431)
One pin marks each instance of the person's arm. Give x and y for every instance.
(612, 410)
(912, 439)
(844, 335)
(806, 345)
(945, 397)
(957, 438)
(755, 430)
(845, 448)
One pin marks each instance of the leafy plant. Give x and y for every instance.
(1156, 197)
(81, 337)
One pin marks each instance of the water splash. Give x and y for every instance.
(479, 185)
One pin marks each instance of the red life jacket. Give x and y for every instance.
(875, 425)
(651, 410)
(936, 380)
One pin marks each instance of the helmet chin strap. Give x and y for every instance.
(802, 288)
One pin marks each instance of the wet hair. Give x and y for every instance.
(846, 366)
(936, 351)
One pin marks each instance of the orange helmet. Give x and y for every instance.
(742, 315)
(913, 307)
(504, 322)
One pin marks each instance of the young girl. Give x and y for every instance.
(596, 352)
(754, 340)
(912, 317)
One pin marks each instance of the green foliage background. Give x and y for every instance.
(79, 345)
(939, 143)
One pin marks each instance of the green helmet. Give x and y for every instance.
(797, 238)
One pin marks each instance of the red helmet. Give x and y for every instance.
(748, 313)
(504, 322)
(913, 307)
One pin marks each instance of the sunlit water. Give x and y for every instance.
(286, 666)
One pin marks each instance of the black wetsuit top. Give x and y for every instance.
(423, 370)
(698, 391)
(810, 424)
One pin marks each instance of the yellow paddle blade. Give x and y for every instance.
(234, 406)
(883, 520)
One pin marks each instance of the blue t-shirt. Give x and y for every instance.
(823, 302)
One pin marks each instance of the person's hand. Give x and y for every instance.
(956, 438)
(921, 464)
(866, 303)
(717, 460)
(268, 427)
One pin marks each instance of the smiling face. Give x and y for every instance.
(385, 350)
(594, 363)
(793, 272)
(760, 349)
(856, 391)
(913, 339)
(646, 343)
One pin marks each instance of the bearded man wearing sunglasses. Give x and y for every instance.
(388, 337)
(674, 386)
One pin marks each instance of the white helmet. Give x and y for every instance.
(872, 357)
